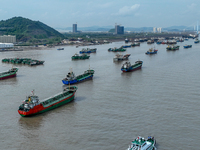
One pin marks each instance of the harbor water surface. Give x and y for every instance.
(161, 100)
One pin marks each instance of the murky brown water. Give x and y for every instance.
(160, 100)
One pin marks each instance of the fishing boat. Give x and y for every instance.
(151, 51)
(32, 106)
(61, 48)
(127, 67)
(120, 57)
(140, 143)
(8, 74)
(187, 46)
(172, 48)
(72, 79)
(83, 56)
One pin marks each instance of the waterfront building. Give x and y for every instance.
(8, 39)
(6, 45)
(159, 30)
(119, 29)
(74, 28)
(154, 29)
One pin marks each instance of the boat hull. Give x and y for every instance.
(7, 77)
(41, 109)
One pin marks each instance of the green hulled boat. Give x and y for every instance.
(172, 48)
(77, 56)
(27, 61)
(8, 74)
(121, 49)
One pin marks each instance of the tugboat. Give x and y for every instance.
(72, 79)
(32, 106)
(151, 51)
(143, 144)
(8, 74)
(127, 67)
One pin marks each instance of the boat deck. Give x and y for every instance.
(49, 101)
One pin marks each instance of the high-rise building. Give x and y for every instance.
(74, 28)
(8, 39)
(154, 29)
(159, 30)
(119, 29)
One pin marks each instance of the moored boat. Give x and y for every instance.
(127, 67)
(187, 46)
(135, 44)
(126, 46)
(151, 51)
(88, 50)
(119, 57)
(8, 74)
(83, 56)
(61, 48)
(196, 40)
(27, 61)
(32, 106)
(121, 49)
(172, 48)
(140, 143)
(72, 79)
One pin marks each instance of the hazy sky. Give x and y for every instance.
(129, 13)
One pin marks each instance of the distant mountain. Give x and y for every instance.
(26, 29)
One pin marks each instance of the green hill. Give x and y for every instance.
(28, 30)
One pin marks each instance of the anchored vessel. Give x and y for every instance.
(120, 57)
(83, 56)
(8, 74)
(32, 105)
(143, 144)
(88, 50)
(27, 61)
(151, 51)
(71, 78)
(187, 46)
(121, 49)
(61, 48)
(127, 67)
(172, 48)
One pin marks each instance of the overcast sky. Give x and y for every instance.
(129, 13)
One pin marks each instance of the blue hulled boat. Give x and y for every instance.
(187, 46)
(72, 79)
(151, 51)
